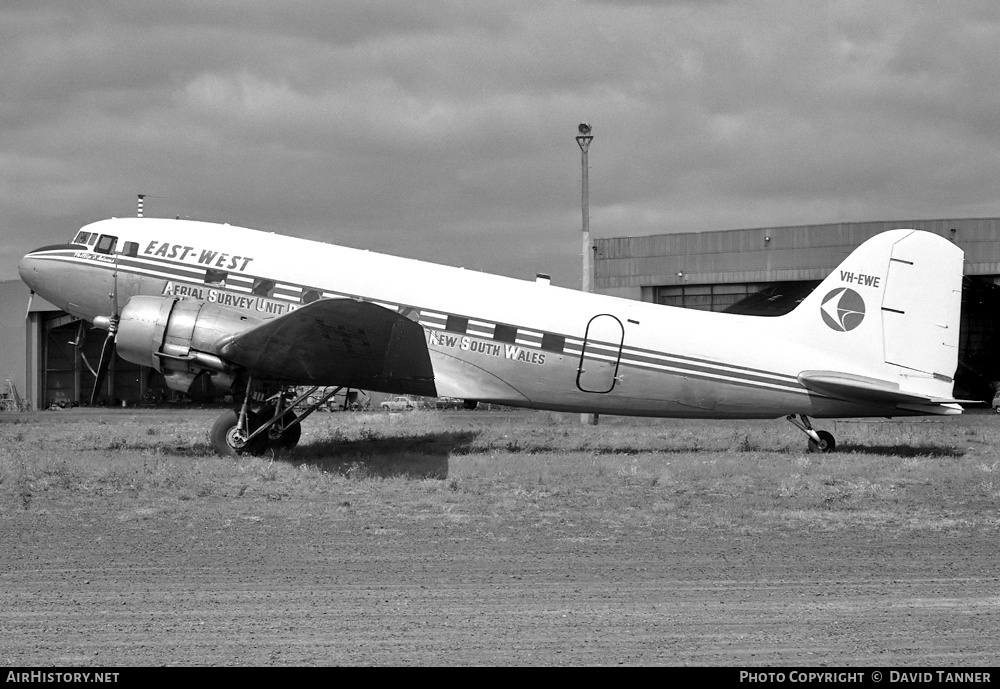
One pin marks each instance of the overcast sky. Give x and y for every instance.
(445, 130)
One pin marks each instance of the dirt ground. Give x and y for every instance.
(284, 580)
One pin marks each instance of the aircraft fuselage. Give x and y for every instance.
(490, 338)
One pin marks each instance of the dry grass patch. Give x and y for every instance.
(527, 467)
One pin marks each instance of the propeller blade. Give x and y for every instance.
(81, 336)
(27, 311)
(103, 365)
(114, 288)
(87, 364)
(107, 351)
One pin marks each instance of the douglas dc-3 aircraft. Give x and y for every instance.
(262, 314)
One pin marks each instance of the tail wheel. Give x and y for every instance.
(826, 442)
(228, 439)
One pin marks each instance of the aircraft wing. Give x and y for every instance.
(337, 342)
(867, 390)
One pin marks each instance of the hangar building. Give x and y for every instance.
(47, 357)
(767, 271)
(761, 271)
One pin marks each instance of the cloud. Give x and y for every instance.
(445, 130)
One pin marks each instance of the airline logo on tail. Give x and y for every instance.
(843, 309)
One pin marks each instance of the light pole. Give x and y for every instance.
(584, 140)
(587, 284)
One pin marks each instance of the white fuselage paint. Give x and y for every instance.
(637, 358)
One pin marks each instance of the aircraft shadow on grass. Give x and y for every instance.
(413, 456)
(426, 455)
(903, 450)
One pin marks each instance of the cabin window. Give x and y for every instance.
(505, 333)
(216, 277)
(553, 343)
(311, 295)
(457, 324)
(106, 244)
(262, 287)
(131, 249)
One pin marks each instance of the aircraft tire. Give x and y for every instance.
(226, 423)
(829, 444)
(289, 437)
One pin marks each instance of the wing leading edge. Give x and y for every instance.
(338, 342)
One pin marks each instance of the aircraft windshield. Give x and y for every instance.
(86, 238)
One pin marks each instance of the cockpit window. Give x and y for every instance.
(106, 244)
(130, 249)
(82, 238)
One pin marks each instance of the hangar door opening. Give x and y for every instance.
(72, 352)
(602, 351)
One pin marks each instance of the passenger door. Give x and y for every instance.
(602, 349)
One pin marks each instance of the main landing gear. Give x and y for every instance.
(275, 424)
(819, 441)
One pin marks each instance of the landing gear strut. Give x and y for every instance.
(819, 441)
(249, 431)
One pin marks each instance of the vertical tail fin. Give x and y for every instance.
(889, 312)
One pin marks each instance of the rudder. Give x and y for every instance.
(922, 304)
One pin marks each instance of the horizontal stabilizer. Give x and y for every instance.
(338, 342)
(863, 389)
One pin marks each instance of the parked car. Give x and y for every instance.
(400, 403)
(447, 403)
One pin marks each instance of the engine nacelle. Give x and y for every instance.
(178, 338)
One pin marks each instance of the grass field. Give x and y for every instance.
(751, 476)
(498, 538)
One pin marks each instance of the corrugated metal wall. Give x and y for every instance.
(624, 265)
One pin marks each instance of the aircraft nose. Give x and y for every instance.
(62, 275)
(27, 268)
